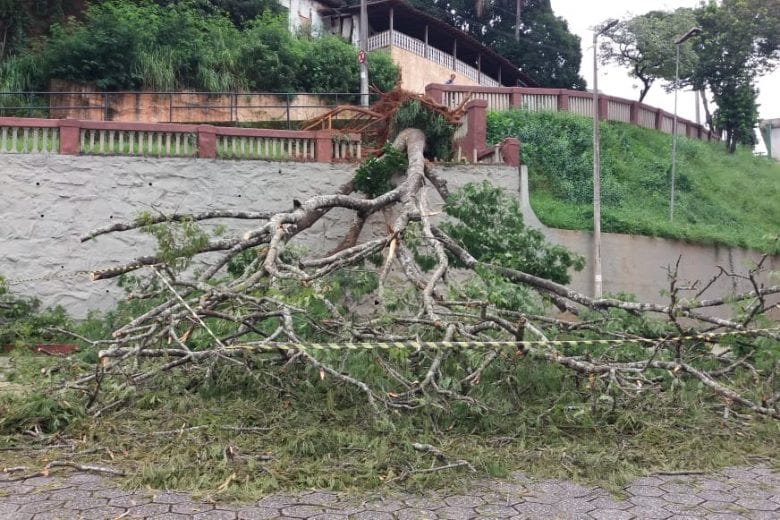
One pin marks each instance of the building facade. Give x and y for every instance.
(426, 49)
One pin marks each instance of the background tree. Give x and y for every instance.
(545, 49)
(740, 41)
(240, 12)
(645, 45)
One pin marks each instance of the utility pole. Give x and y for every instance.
(518, 11)
(597, 279)
(364, 53)
(690, 34)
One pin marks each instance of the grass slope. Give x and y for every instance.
(720, 199)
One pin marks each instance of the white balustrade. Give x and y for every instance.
(540, 102)
(618, 111)
(23, 139)
(137, 142)
(667, 124)
(646, 117)
(269, 148)
(347, 149)
(582, 106)
(418, 47)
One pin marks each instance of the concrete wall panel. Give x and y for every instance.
(48, 202)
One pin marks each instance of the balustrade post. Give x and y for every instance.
(475, 139)
(510, 150)
(635, 113)
(70, 136)
(323, 146)
(563, 101)
(603, 108)
(435, 92)
(207, 142)
(516, 97)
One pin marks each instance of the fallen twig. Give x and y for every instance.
(90, 468)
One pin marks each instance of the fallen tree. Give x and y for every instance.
(438, 303)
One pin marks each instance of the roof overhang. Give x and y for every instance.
(412, 21)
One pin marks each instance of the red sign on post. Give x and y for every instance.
(362, 56)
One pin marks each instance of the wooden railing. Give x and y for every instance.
(73, 137)
(420, 48)
(611, 108)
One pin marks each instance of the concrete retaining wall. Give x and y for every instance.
(49, 201)
(639, 264)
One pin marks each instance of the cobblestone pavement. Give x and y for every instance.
(734, 493)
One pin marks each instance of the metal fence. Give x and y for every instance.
(278, 109)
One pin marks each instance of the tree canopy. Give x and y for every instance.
(645, 45)
(544, 48)
(209, 45)
(740, 40)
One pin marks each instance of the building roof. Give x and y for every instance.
(412, 21)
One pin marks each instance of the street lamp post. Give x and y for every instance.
(597, 279)
(364, 53)
(695, 31)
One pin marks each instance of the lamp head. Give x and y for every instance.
(606, 26)
(695, 31)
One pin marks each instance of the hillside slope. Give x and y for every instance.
(720, 198)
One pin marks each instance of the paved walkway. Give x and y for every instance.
(734, 493)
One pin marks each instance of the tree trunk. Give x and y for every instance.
(707, 114)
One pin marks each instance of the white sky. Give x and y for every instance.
(582, 15)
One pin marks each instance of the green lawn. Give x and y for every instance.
(720, 198)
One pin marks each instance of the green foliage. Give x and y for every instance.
(215, 45)
(271, 56)
(13, 19)
(645, 45)
(740, 41)
(39, 411)
(23, 322)
(559, 146)
(177, 242)
(490, 226)
(720, 199)
(438, 131)
(382, 72)
(546, 50)
(374, 175)
(102, 50)
(737, 114)
(321, 433)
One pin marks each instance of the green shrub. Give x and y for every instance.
(188, 45)
(271, 56)
(490, 226)
(46, 413)
(374, 175)
(23, 322)
(104, 49)
(438, 131)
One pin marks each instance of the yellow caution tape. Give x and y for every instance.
(473, 345)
